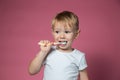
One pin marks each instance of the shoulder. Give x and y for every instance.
(78, 52)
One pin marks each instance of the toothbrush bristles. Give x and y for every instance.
(59, 42)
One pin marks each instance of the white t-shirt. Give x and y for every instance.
(64, 66)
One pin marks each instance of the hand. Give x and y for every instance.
(45, 46)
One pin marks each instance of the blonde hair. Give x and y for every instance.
(68, 18)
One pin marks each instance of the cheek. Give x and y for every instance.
(70, 38)
(74, 36)
(55, 37)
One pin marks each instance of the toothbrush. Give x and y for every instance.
(57, 43)
(54, 43)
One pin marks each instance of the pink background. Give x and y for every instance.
(24, 22)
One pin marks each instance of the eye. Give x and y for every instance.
(57, 32)
(67, 32)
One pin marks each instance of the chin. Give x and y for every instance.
(63, 48)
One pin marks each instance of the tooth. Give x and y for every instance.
(63, 42)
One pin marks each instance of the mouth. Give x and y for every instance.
(62, 42)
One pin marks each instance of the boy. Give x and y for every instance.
(61, 62)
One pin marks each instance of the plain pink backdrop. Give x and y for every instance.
(24, 22)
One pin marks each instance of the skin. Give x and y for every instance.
(60, 33)
(64, 33)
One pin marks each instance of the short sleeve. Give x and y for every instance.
(83, 63)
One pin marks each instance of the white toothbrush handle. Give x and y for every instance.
(54, 43)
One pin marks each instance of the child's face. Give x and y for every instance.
(64, 33)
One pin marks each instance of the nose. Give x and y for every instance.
(62, 35)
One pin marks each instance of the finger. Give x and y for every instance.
(40, 42)
(43, 42)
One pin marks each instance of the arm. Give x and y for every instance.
(83, 75)
(36, 64)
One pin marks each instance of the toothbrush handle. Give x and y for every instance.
(53, 43)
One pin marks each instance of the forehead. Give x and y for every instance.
(62, 25)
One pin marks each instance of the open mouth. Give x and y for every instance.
(63, 42)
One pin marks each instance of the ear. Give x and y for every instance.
(77, 34)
